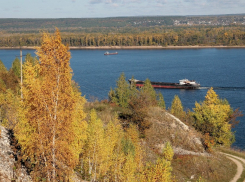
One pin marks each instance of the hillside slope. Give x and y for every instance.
(190, 159)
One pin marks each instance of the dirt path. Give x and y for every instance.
(239, 162)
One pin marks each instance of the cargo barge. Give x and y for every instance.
(107, 53)
(183, 84)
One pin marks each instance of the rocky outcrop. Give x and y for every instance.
(166, 127)
(8, 171)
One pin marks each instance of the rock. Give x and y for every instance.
(7, 163)
(181, 151)
(181, 124)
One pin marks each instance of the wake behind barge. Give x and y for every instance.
(183, 84)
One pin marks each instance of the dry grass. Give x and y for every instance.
(213, 169)
(165, 128)
(236, 152)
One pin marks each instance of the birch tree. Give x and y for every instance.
(51, 128)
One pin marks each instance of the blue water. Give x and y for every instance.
(223, 69)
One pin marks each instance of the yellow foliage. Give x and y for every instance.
(212, 117)
(129, 168)
(51, 129)
(200, 179)
(111, 154)
(177, 108)
(161, 171)
(211, 97)
(168, 152)
(9, 109)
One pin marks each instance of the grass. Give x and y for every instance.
(238, 153)
(214, 168)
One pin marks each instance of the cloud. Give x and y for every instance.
(132, 1)
(117, 1)
(162, 1)
(171, 7)
(95, 1)
(225, 2)
(111, 1)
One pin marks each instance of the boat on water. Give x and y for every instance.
(183, 84)
(107, 53)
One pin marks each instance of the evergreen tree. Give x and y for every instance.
(31, 59)
(16, 67)
(148, 90)
(121, 95)
(160, 101)
(133, 89)
(3, 72)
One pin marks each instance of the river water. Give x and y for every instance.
(222, 69)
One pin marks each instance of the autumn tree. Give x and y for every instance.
(109, 153)
(160, 171)
(168, 152)
(177, 108)
(138, 111)
(93, 155)
(8, 97)
(51, 127)
(9, 102)
(2, 67)
(212, 117)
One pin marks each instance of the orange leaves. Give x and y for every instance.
(52, 111)
(208, 142)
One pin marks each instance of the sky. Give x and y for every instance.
(116, 8)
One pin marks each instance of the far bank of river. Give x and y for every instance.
(131, 47)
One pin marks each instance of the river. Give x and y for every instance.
(223, 69)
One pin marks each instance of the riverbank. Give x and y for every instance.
(132, 47)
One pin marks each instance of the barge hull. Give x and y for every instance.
(167, 85)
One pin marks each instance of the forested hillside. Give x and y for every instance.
(128, 31)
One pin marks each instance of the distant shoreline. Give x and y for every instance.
(129, 47)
